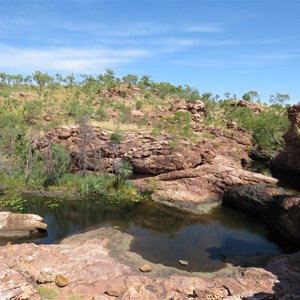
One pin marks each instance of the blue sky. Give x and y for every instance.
(217, 46)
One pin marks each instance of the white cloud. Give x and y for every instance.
(205, 28)
(67, 59)
(272, 56)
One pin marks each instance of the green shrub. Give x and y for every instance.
(109, 187)
(139, 104)
(5, 94)
(101, 113)
(125, 112)
(116, 138)
(180, 124)
(58, 162)
(47, 293)
(32, 110)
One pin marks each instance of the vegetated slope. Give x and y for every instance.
(35, 105)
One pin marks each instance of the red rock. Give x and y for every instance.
(13, 224)
(290, 158)
(61, 280)
(95, 272)
(255, 107)
(47, 118)
(279, 208)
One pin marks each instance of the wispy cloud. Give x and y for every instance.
(240, 60)
(278, 56)
(67, 59)
(205, 28)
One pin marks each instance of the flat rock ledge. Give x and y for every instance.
(20, 225)
(95, 272)
(197, 189)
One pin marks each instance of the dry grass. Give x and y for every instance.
(111, 125)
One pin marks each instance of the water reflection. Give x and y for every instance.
(164, 235)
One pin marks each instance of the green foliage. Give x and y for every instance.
(246, 97)
(28, 165)
(5, 94)
(173, 144)
(42, 80)
(11, 197)
(244, 117)
(76, 109)
(47, 293)
(109, 187)
(208, 135)
(116, 138)
(36, 169)
(101, 113)
(180, 124)
(145, 82)
(11, 124)
(139, 104)
(269, 128)
(58, 162)
(147, 96)
(122, 171)
(32, 110)
(75, 297)
(130, 79)
(125, 112)
(109, 79)
(279, 98)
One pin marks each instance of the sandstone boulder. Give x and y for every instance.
(189, 189)
(13, 224)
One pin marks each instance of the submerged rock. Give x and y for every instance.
(183, 262)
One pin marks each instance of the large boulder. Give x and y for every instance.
(189, 189)
(271, 203)
(13, 224)
(290, 158)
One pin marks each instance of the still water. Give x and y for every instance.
(164, 235)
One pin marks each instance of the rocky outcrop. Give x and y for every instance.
(97, 150)
(255, 107)
(187, 174)
(190, 189)
(13, 224)
(290, 158)
(94, 272)
(196, 108)
(276, 206)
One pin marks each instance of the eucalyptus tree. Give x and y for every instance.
(130, 80)
(42, 80)
(145, 82)
(279, 98)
